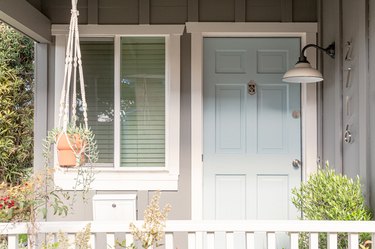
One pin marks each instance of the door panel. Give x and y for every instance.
(271, 117)
(272, 189)
(228, 205)
(250, 141)
(229, 116)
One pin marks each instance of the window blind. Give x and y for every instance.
(98, 70)
(142, 102)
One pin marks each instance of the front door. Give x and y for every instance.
(252, 128)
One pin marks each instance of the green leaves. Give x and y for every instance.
(330, 196)
(16, 104)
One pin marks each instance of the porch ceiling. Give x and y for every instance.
(23, 16)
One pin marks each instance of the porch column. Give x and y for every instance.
(40, 103)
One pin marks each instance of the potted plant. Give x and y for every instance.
(75, 143)
(75, 146)
(70, 149)
(80, 153)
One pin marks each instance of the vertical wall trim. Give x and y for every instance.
(371, 98)
(117, 99)
(193, 10)
(339, 113)
(197, 125)
(287, 10)
(92, 12)
(40, 100)
(309, 116)
(320, 85)
(144, 12)
(363, 114)
(172, 103)
(60, 43)
(240, 11)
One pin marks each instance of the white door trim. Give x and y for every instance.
(307, 33)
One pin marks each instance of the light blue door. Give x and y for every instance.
(252, 131)
(252, 128)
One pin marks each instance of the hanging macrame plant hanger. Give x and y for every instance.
(66, 141)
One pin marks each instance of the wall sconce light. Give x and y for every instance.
(302, 72)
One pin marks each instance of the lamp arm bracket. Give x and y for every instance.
(330, 50)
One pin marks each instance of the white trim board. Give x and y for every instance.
(92, 30)
(307, 33)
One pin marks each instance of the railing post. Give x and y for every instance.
(250, 241)
(314, 241)
(271, 240)
(353, 241)
(12, 241)
(332, 241)
(210, 240)
(92, 241)
(191, 240)
(110, 237)
(169, 241)
(294, 240)
(129, 239)
(199, 240)
(230, 240)
(71, 239)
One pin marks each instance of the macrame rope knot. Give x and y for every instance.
(75, 12)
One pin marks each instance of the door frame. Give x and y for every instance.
(309, 147)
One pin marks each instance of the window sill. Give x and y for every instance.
(121, 179)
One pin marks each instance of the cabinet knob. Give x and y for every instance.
(113, 205)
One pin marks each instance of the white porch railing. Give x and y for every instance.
(196, 230)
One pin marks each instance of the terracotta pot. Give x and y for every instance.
(66, 155)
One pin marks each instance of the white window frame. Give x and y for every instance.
(307, 33)
(129, 178)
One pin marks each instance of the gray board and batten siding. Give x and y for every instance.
(173, 12)
(179, 11)
(339, 21)
(348, 92)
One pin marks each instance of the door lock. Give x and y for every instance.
(296, 163)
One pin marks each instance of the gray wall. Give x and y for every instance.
(180, 11)
(171, 12)
(349, 103)
(340, 21)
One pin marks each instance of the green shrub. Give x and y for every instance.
(16, 105)
(330, 196)
(17, 52)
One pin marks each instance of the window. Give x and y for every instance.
(142, 102)
(132, 91)
(142, 99)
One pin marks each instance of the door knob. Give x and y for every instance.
(296, 163)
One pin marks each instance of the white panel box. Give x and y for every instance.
(114, 207)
